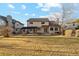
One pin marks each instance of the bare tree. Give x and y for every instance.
(6, 27)
(67, 13)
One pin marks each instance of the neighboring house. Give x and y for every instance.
(42, 26)
(14, 24)
(71, 25)
(17, 26)
(3, 23)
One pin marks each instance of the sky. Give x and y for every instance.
(23, 11)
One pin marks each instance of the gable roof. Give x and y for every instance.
(4, 18)
(38, 20)
(53, 23)
(14, 21)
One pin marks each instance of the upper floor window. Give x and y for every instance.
(42, 22)
(17, 24)
(73, 24)
(31, 22)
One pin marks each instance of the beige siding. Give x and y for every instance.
(41, 30)
(38, 24)
(53, 32)
(18, 25)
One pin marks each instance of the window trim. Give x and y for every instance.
(31, 22)
(56, 28)
(42, 22)
(51, 29)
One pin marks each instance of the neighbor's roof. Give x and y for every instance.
(14, 21)
(73, 21)
(38, 19)
(4, 18)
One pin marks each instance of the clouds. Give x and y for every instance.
(11, 6)
(26, 14)
(45, 9)
(23, 7)
(47, 6)
(33, 14)
(30, 15)
(43, 16)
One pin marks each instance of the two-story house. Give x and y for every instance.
(42, 26)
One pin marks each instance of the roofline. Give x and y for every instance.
(36, 18)
(18, 21)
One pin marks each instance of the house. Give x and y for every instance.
(3, 23)
(17, 26)
(10, 22)
(6, 25)
(42, 26)
(71, 25)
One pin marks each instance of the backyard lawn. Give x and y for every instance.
(39, 46)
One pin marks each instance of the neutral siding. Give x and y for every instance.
(18, 25)
(52, 32)
(37, 24)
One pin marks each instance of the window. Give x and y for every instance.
(23, 30)
(73, 24)
(17, 29)
(42, 22)
(31, 22)
(17, 24)
(56, 29)
(51, 29)
(30, 29)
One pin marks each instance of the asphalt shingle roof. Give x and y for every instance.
(38, 19)
(4, 18)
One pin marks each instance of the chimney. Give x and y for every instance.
(9, 19)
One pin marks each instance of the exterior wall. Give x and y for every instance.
(54, 31)
(18, 26)
(30, 31)
(24, 31)
(41, 30)
(71, 26)
(42, 26)
(37, 24)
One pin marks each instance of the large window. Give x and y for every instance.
(51, 29)
(17, 24)
(30, 29)
(56, 29)
(31, 22)
(42, 22)
(73, 24)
